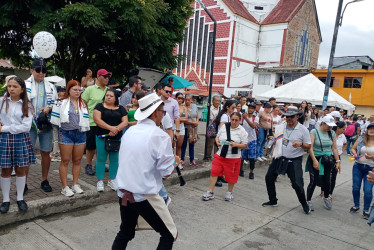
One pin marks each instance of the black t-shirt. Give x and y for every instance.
(112, 117)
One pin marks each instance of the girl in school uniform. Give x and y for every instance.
(16, 149)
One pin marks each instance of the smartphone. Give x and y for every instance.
(175, 138)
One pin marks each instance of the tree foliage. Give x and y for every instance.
(114, 34)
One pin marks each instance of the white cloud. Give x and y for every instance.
(356, 33)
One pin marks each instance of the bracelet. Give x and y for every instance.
(337, 161)
(178, 130)
(175, 163)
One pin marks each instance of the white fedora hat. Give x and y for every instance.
(147, 105)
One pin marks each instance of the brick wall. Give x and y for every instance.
(304, 19)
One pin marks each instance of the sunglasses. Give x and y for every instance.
(43, 70)
(168, 91)
(106, 77)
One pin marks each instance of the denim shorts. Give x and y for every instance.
(71, 137)
(45, 140)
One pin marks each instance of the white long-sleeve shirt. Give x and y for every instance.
(145, 156)
(12, 121)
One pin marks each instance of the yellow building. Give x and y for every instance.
(359, 83)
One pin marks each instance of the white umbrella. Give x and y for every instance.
(308, 88)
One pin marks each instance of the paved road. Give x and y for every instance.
(240, 224)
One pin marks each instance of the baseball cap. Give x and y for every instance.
(370, 125)
(103, 72)
(38, 63)
(329, 120)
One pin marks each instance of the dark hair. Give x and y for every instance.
(158, 86)
(165, 85)
(339, 124)
(116, 96)
(237, 114)
(133, 80)
(178, 94)
(170, 79)
(355, 118)
(158, 108)
(71, 84)
(138, 94)
(227, 104)
(26, 104)
(272, 99)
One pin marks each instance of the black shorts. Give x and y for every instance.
(91, 138)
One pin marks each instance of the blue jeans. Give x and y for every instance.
(191, 147)
(45, 139)
(163, 193)
(349, 141)
(359, 173)
(261, 140)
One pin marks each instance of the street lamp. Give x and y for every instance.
(338, 22)
(211, 76)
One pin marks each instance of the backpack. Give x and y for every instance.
(351, 129)
(212, 130)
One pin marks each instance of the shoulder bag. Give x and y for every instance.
(326, 160)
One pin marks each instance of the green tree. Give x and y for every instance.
(114, 34)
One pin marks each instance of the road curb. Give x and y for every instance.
(61, 204)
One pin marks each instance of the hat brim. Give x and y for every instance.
(141, 115)
(330, 124)
(290, 114)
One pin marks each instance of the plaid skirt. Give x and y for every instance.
(16, 150)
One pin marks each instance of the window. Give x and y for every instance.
(352, 82)
(259, 8)
(302, 50)
(332, 82)
(264, 79)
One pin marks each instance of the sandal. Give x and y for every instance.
(354, 209)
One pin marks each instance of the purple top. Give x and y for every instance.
(172, 108)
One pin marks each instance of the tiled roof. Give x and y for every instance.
(283, 12)
(6, 64)
(237, 7)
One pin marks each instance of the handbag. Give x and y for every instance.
(192, 131)
(192, 135)
(112, 145)
(326, 160)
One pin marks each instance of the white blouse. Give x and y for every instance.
(12, 121)
(238, 135)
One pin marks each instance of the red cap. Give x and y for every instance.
(103, 72)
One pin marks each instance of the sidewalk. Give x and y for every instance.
(42, 204)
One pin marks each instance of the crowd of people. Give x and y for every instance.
(284, 133)
(89, 117)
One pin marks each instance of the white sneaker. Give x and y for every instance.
(77, 189)
(245, 162)
(259, 159)
(229, 196)
(100, 186)
(168, 201)
(111, 185)
(264, 158)
(67, 192)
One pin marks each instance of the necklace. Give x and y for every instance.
(289, 134)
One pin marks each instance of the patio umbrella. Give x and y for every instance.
(179, 82)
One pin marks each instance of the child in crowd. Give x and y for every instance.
(55, 154)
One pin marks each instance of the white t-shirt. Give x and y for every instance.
(340, 141)
(276, 120)
(307, 122)
(251, 131)
(166, 122)
(225, 118)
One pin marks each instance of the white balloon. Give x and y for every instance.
(45, 44)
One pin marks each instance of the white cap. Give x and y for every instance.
(335, 114)
(329, 120)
